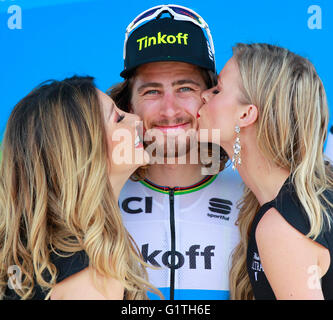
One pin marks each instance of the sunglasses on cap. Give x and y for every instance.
(177, 12)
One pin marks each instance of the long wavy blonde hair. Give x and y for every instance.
(291, 131)
(55, 192)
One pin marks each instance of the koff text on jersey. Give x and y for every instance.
(194, 253)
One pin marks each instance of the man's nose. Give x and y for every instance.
(169, 106)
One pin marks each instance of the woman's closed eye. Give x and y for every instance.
(120, 117)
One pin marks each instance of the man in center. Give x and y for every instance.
(181, 216)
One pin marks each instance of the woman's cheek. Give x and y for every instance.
(207, 118)
(215, 117)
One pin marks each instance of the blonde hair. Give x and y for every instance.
(55, 193)
(291, 131)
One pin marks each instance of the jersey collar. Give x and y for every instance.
(179, 190)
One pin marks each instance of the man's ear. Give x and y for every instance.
(248, 115)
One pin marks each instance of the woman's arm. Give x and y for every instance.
(292, 262)
(80, 286)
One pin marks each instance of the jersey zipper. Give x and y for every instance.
(173, 243)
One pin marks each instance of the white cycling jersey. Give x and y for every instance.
(188, 232)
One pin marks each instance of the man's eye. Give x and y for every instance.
(185, 89)
(120, 117)
(215, 91)
(151, 92)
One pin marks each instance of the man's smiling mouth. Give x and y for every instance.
(172, 127)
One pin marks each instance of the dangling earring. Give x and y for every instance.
(236, 158)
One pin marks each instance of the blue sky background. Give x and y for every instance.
(60, 38)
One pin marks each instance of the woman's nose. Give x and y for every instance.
(132, 117)
(205, 95)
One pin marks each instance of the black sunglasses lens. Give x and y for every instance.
(185, 12)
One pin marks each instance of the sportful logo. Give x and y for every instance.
(145, 42)
(220, 206)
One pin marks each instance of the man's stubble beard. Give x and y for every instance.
(168, 147)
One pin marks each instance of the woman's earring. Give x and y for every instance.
(236, 158)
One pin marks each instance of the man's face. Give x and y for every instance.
(166, 96)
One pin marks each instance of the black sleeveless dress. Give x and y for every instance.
(66, 266)
(289, 206)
